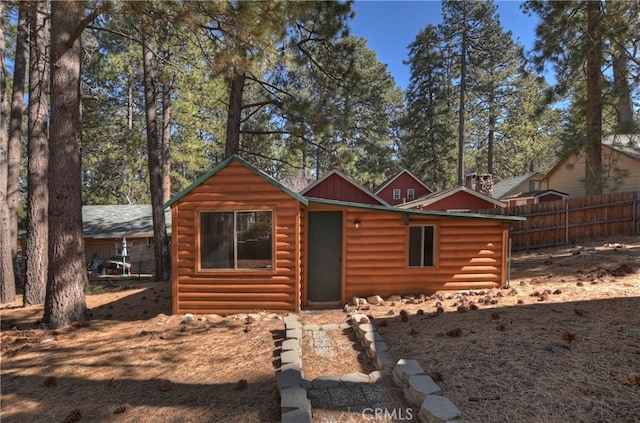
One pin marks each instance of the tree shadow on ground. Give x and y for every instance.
(110, 301)
(138, 400)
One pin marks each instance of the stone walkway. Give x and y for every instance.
(358, 399)
(399, 391)
(351, 396)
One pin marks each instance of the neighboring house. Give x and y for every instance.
(106, 226)
(535, 197)
(337, 186)
(244, 242)
(401, 188)
(459, 199)
(516, 185)
(620, 167)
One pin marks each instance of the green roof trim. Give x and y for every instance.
(223, 165)
(392, 209)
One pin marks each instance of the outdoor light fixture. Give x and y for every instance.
(356, 224)
(405, 219)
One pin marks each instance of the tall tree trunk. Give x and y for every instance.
(492, 124)
(624, 105)
(234, 114)
(131, 107)
(7, 278)
(38, 162)
(160, 242)
(593, 165)
(15, 126)
(65, 300)
(463, 93)
(166, 141)
(7, 281)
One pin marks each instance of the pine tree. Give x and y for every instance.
(160, 241)
(7, 280)
(428, 146)
(470, 34)
(15, 124)
(38, 155)
(583, 39)
(67, 277)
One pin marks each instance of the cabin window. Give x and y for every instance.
(411, 194)
(236, 240)
(396, 194)
(422, 246)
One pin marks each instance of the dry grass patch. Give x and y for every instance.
(563, 344)
(569, 354)
(135, 363)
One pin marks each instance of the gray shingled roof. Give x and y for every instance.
(505, 186)
(626, 143)
(120, 221)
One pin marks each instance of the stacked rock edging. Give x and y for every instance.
(295, 407)
(373, 343)
(294, 403)
(419, 389)
(422, 391)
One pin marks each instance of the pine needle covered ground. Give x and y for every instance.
(561, 344)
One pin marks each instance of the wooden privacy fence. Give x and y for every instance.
(576, 219)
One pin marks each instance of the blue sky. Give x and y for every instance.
(390, 26)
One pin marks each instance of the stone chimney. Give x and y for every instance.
(481, 183)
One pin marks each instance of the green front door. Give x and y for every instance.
(325, 257)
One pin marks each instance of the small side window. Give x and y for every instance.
(396, 194)
(422, 246)
(411, 194)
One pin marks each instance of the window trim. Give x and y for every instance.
(397, 192)
(411, 194)
(436, 235)
(198, 244)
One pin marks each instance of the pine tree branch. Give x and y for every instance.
(83, 24)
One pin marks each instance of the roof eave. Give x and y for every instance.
(223, 165)
(391, 209)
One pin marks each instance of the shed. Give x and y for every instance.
(535, 197)
(243, 242)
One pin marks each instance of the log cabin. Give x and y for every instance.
(243, 242)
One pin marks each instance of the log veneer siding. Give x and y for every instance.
(222, 291)
(471, 252)
(469, 255)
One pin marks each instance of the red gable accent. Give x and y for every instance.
(335, 187)
(403, 181)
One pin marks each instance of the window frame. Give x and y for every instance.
(411, 194)
(397, 193)
(434, 253)
(234, 269)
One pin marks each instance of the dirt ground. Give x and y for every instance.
(561, 344)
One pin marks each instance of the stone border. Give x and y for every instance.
(419, 388)
(294, 405)
(373, 343)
